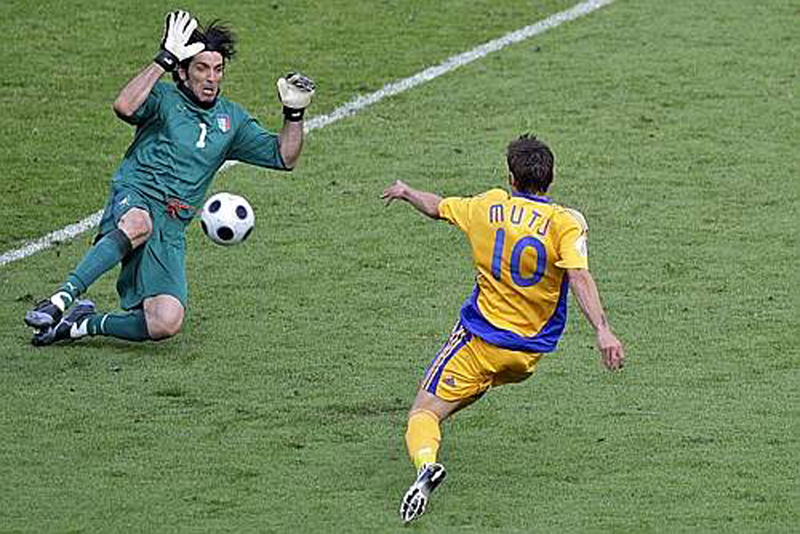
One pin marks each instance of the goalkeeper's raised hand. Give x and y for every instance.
(295, 92)
(178, 29)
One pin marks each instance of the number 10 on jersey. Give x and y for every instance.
(515, 264)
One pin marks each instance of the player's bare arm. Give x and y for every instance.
(135, 92)
(295, 92)
(423, 201)
(585, 290)
(291, 140)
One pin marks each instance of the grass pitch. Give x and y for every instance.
(281, 407)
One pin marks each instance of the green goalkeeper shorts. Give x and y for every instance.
(158, 267)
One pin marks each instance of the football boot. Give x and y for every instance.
(68, 328)
(416, 498)
(44, 315)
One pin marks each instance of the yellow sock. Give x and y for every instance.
(423, 437)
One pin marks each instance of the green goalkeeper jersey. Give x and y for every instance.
(179, 146)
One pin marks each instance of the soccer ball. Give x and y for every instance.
(227, 219)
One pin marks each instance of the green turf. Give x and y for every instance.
(281, 406)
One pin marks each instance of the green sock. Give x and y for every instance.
(104, 255)
(131, 326)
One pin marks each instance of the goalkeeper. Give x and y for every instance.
(185, 131)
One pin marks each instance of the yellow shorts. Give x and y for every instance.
(466, 366)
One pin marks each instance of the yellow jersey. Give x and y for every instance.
(521, 246)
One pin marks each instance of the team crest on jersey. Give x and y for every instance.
(224, 122)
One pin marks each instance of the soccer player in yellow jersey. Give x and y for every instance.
(528, 252)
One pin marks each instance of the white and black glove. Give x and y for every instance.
(295, 92)
(178, 30)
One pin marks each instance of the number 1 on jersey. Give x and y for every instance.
(201, 142)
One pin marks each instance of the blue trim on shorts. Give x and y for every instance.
(434, 381)
(545, 340)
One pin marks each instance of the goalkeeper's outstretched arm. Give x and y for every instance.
(136, 91)
(295, 92)
(178, 28)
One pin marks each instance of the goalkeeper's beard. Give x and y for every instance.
(205, 104)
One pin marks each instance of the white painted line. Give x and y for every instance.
(350, 108)
(53, 238)
(454, 62)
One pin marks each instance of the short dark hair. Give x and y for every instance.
(531, 162)
(217, 36)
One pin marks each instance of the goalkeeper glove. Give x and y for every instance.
(178, 30)
(295, 92)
